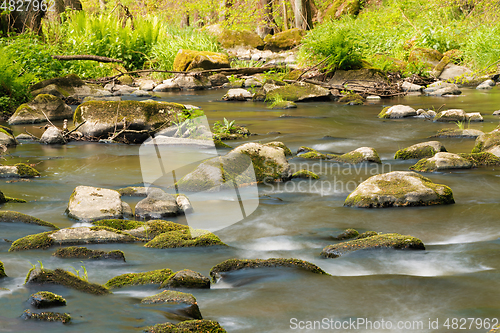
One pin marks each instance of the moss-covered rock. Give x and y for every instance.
(6, 137)
(347, 234)
(458, 133)
(84, 253)
(15, 217)
(46, 316)
(46, 299)
(237, 264)
(150, 229)
(367, 234)
(133, 191)
(119, 224)
(393, 241)
(305, 174)
(452, 115)
(64, 278)
(281, 145)
(420, 150)
(442, 161)
(284, 40)
(186, 279)
(203, 325)
(310, 153)
(2, 271)
(185, 60)
(220, 144)
(481, 159)
(399, 189)
(184, 238)
(19, 170)
(397, 111)
(488, 142)
(39, 241)
(363, 154)
(341, 8)
(352, 99)
(158, 277)
(282, 105)
(33, 112)
(171, 296)
(299, 91)
(233, 38)
(428, 57)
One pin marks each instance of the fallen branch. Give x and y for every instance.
(48, 119)
(75, 129)
(31, 135)
(86, 57)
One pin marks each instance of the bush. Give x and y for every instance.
(14, 87)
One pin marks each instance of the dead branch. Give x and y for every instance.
(48, 119)
(31, 135)
(75, 129)
(86, 57)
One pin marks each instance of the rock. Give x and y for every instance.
(367, 77)
(352, 99)
(454, 72)
(438, 69)
(496, 113)
(21, 137)
(397, 111)
(232, 38)
(134, 191)
(32, 112)
(373, 98)
(141, 93)
(452, 115)
(147, 85)
(234, 84)
(399, 189)
(7, 139)
(167, 85)
(481, 159)
(217, 272)
(305, 174)
(429, 114)
(438, 85)
(218, 79)
(69, 85)
(284, 40)
(347, 234)
(186, 279)
(237, 95)
(252, 83)
(19, 170)
(420, 150)
(488, 84)
(52, 136)
(7, 216)
(89, 203)
(442, 88)
(411, 87)
(2, 271)
(202, 325)
(474, 116)
(441, 161)
(283, 105)
(46, 299)
(281, 145)
(458, 133)
(184, 238)
(187, 301)
(46, 316)
(157, 205)
(488, 142)
(430, 58)
(4, 199)
(100, 117)
(186, 81)
(387, 241)
(186, 60)
(93, 235)
(84, 253)
(363, 154)
(134, 279)
(184, 204)
(309, 153)
(299, 91)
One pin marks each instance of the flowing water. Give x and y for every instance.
(457, 276)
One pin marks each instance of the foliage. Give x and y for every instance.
(226, 128)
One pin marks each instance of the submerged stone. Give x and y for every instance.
(46, 316)
(84, 253)
(185, 238)
(158, 277)
(64, 278)
(420, 150)
(188, 301)
(186, 279)
(202, 325)
(442, 161)
(15, 217)
(46, 299)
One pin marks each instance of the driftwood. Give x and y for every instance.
(86, 57)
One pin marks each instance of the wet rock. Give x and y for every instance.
(187, 302)
(481, 159)
(238, 95)
(442, 88)
(352, 99)
(363, 154)
(458, 133)
(64, 278)
(454, 72)
(186, 60)
(84, 253)
(496, 113)
(157, 205)
(187, 81)
(86, 235)
(420, 150)
(283, 105)
(144, 230)
(202, 325)
(474, 116)
(32, 112)
(411, 87)
(305, 174)
(184, 238)
(15, 217)
(141, 93)
(488, 84)
(284, 40)
(143, 278)
(19, 170)
(147, 85)
(46, 299)
(441, 161)
(310, 153)
(46, 316)
(89, 203)
(367, 77)
(21, 137)
(299, 91)
(184, 204)
(4, 199)
(2, 271)
(52, 136)
(134, 191)
(281, 145)
(488, 142)
(397, 111)
(6, 137)
(387, 241)
(425, 114)
(347, 234)
(69, 85)
(167, 85)
(186, 279)
(218, 79)
(399, 189)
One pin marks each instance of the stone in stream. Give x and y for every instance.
(439, 85)
(346, 234)
(474, 116)
(186, 279)
(442, 161)
(420, 150)
(84, 253)
(33, 112)
(15, 217)
(6, 137)
(185, 303)
(69, 85)
(299, 91)
(158, 204)
(218, 79)
(167, 85)
(458, 133)
(2, 271)
(363, 154)
(185, 238)
(201, 325)
(52, 136)
(238, 94)
(64, 278)
(46, 316)
(46, 299)
(399, 189)
(411, 87)
(488, 84)
(481, 159)
(143, 230)
(305, 174)
(89, 203)
(19, 170)
(188, 81)
(452, 115)
(134, 191)
(397, 111)
(157, 277)
(488, 142)
(388, 241)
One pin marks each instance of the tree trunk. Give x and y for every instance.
(185, 20)
(303, 14)
(30, 18)
(267, 26)
(102, 5)
(226, 6)
(285, 16)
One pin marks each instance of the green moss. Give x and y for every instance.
(295, 92)
(170, 296)
(39, 241)
(183, 238)
(219, 144)
(281, 145)
(127, 191)
(237, 264)
(187, 60)
(394, 241)
(313, 155)
(84, 253)
(186, 279)
(44, 299)
(383, 113)
(2, 271)
(47, 316)
(347, 234)
(10, 216)
(68, 81)
(158, 227)
(486, 141)
(351, 98)
(205, 326)
(424, 165)
(117, 224)
(16, 200)
(481, 159)
(355, 157)
(133, 279)
(67, 279)
(6, 130)
(231, 38)
(25, 171)
(421, 152)
(284, 40)
(305, 174)
(367, 234)
(343, 7)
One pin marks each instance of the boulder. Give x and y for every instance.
(347, 234)
(89, 203)
(167, 85)
(46, 316)
(185, 238)
(305, 174)
(186, 81)
(19, 170)
(134, 191)
(33, 112)
(2, 271)
(299, 91)
(186, 60)
(186, 279)
(218, 79)
(430, 58)
(233, 38)
(143, 278)
(411, 87)
(237, 94)
(52, 136)
(363, 154)
(284, 40)
(420, 150)
(488, 84)
(367, 77)
(452, 115)
(84, 253)
(399, 189)
(496, 113)
(384, 241)
(441, 161)
(488, 142)
(69, 85)
(397, 111)
(186, 302)
(157, 205)
(7, 139)
(481, 159)
(46, 299)
(7, 216)
(454, 73)
(458, 133)
(442, 88)
(474, 116)
(22, 137)
(147, 85)
(201, 325)
(425, 114)
(93, 235)
(141, 93)
(252, 82)
(103, 118)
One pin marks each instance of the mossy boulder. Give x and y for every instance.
(488, 142)
(33, 112)
(188, 304)
(284, 40)
(341, 8)
(64, 278)
(187, 326)
(363, 154)
(346, 234)
(186, 279)
(388, 241)
(234, 38)
(397, 111)
(19, 170)
(299, 91)
(103, 118)
(305, 174)
(15, 217)
(310, 153)
(481, 159)
(143, 230)
(192, 82)
(89, 203)
(2, 271)
(39, 241)
(442, 161)
(458, 133)
(420, 150)
(185, 238)
(237, 264)
(4, 199)
(430, 58)
(46, 316)
(399, 189)
(238, 94)
(46, 299)
(7, 138)
(352, 99)
(281, 145)
(158, 277)
(185, 60)
(84, 253)
(69, 85)
(452, 115)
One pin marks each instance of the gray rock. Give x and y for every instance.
(452, 72)
(488, 84)
(8, 171)
(300, 91)
(167, 85)
(141, 93)
(252, 82)
(218, 79)
(411, 87)
(452, 115)
(187, 279)
(85, 235)
(420, 150)
(191, 82)
(363, 154)
(184, 204)
(147, 85)
(157, 205)
(7, 139)
(70, 85)
(496, 113)
(104, 98)
(23, 137)
(474, 116)
(397, 111)
(46, 299)
(438, 85)
(186, 303)
(237, 95)
(373, 98)
(32, 112)
(450, 90)
(91, 204)
(458, 133)
(52, 136)
(442, 161)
